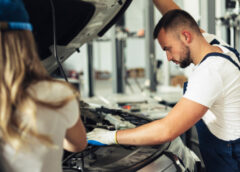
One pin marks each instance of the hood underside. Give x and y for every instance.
(77, 22)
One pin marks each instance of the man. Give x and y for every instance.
(211, 100)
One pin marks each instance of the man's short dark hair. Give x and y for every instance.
(173, 19)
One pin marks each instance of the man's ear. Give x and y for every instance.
(187, 36)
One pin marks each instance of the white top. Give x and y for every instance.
(215, 83)
(52, 122)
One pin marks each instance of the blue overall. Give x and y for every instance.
(218, 155)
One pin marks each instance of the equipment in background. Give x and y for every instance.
(231, 20)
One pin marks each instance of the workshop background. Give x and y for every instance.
(166, 78)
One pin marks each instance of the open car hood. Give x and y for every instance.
(77, 22)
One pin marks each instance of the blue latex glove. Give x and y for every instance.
(101, 137)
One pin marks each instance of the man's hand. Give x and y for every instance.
(102, 137)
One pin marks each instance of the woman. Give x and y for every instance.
(39, 116)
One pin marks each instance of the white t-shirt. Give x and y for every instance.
(215, 83)
(52, 122)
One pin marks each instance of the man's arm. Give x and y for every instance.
(166, 5)
(182, 117)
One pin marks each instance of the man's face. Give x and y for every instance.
(175, 49)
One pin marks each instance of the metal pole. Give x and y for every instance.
(207, 10)
(149, 44)
(90, 70)
(119, 72)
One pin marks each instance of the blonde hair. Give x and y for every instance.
(21, 67)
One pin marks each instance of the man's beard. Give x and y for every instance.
(186, 58)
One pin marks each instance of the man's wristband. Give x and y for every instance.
(116, 137)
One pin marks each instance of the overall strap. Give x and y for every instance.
(220, 55)
(223, 56)
(234, 51)
(215, 41)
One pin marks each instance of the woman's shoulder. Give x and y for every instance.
(50, 90)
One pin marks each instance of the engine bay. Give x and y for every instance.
(119, 157)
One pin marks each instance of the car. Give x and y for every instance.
(60, 28)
